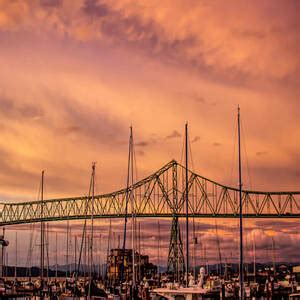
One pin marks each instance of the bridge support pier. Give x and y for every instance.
(175, 258)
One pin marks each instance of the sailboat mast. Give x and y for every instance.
(273, 256)
(108, 246)
(241, 210)
(139, 247)
(47, 248)
(30, 250)
(254, 256)
(56, 255)
(194, 249)
(92, 217)
(16, 263)
(75, 251)
(91, 240)
(100, 269)
(67, 255)
(85, 251)
(132, 212)
(186, 203)
(42, 228)
(219, 249)
(158, 248)
(126, 204)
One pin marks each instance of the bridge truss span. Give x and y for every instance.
(161, 194)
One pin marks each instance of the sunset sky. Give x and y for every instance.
(75, 74)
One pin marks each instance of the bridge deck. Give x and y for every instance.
(160, 195)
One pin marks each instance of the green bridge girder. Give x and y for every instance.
(159, 195)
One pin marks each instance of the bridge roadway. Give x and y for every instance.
(161, 194)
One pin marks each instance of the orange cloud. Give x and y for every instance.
(76, 74)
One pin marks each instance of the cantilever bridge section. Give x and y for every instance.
(161, 194)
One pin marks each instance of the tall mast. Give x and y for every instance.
(30, 251)
(85, 249)
(16, 264)
(108, 245)
(67, 255)
(254, 256)
(91, 262)
(241, 211)
(47, 248)
(126, 203)
(56, 255)
(273, 255)
(158, 248)
(75, 250)
(42, 228)
(205, 260)
(132, 212)
(92, 218)
(194, 249)
(70, 249)
(186, 203)
(139, 277)
(100, 269)
(83, 245)
(219, 249)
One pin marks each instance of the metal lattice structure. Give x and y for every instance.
(159, 195)
(176, 262)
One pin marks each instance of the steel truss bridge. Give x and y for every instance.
(161, 194)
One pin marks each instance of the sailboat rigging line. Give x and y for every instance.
(246, 155)
(16, 258)
(254, 256)
(32, 240)
(187, 203)
(219, 248)
(273, 255)
(92, 269)
(126, 204)
(42, 228)
(56, 261)
(134, 167)
(108, 246)
(75, 249)
(241, 211)
(83, 237)
(132, 217)
(158, 248)
(47, 248)
(233, 154)
(191, 155)
(139, 247)
(194, 248)
(100, 268)
(67, 254)
(30, 250)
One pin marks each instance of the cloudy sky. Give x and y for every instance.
(76, 74)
